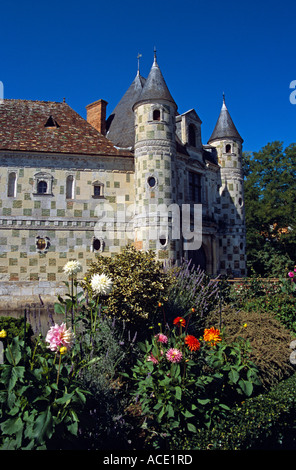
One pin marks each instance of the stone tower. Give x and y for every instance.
(232, 232)
(155, 159)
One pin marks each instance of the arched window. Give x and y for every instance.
(191, 135)
(70, 187)
(228, 148)
(156, 115)
(42, 187)
(11, 190)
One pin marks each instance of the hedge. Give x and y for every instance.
(262, 422)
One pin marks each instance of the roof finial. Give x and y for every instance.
(155, 62)
(138, 57)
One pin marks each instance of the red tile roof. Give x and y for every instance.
(23, 127)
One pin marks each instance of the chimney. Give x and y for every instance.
(96, 115)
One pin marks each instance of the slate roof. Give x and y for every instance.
(120, 125)
(54, 127)
(155, 87)
(225, 127)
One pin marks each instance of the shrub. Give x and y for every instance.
(183, 384)
(262, 422)
(139, 284)
(191, 288)
(16, 327)
(269, 341)
(40, 398)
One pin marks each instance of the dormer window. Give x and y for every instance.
(156, 115)
(51, 123)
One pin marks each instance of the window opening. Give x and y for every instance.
(11, 191)
(96, 244)
(194, 187)
(51, 122)
(42, 187)
(156, 115)
(70, 187)
(151, 181)
(228, 148)
(191, 135)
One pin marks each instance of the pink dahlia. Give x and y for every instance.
(291, 274)
(152, 358)
(162, 338)
(174, 355)
(59, 336)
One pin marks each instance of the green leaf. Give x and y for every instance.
(60, 309)
(12, 426)
(43, 427)
(247, 387)
(191, 427)
(233, 375)
(178, 393)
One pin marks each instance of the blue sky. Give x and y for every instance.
(87, 50)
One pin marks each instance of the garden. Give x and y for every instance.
(146, 357)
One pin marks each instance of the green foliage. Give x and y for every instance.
(270, 196)
(40, 397)
(188, 394)
(266, 421)
(139, 284)
(15, 327)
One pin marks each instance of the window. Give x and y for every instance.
(70, 187)
(43, 184)
(42, 187)
(228, 148)
(97, 244)
(194, 187)
(11, 190)
(98, 189)
(191, 135)
(151, 180)
(156, 115)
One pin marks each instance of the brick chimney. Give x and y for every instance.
(96, 115)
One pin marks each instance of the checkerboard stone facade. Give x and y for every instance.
(72, 188)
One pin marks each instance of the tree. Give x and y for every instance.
(270, 196)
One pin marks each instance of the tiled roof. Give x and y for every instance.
(53, 127)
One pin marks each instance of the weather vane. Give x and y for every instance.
(138, 57)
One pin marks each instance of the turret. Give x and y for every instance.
(155, 153)
(228, 143)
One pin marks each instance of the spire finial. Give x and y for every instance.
(155, 62)
(138, 57)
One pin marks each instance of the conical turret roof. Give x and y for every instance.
(225, 127)
(120, 124)
(155, 87)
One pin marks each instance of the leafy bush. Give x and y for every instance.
(15, 327)
(262, 422)
(182, 384)
(40, 397)
(139, 284)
